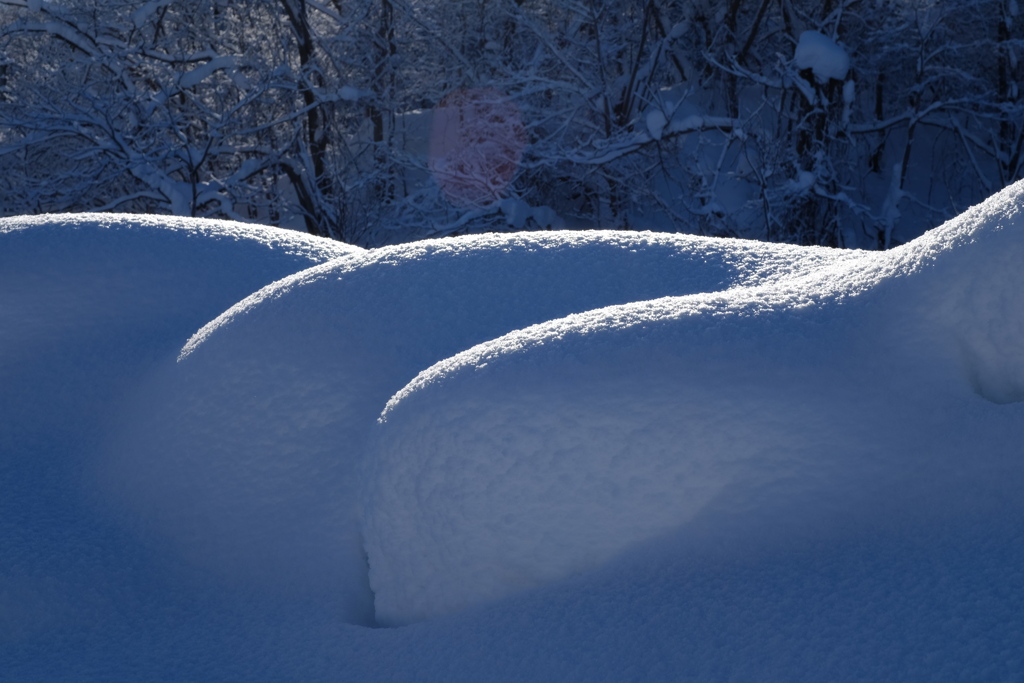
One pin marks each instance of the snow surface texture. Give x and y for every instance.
(88, 306)
(775, 464)
(262, 426)
(551, 450)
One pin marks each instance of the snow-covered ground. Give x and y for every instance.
(233, 453)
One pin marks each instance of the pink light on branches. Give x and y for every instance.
(476, 143)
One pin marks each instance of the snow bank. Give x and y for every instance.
(800, 465)
(261, 426)
(89, 300)
(847, 393)
(90, 304)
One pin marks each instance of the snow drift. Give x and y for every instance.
(829, 394)
(262, 424)
(89, 305)
(91, 302)
(602, 457)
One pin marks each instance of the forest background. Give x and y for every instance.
(857, 123)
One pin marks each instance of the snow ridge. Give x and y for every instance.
(572, 456)
(550, 450)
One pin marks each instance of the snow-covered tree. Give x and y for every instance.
(847, 122)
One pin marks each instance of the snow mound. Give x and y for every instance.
(89, 304)
(863, 392)
(261, 427)
(90, 299)
(725, 459)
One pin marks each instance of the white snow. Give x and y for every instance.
(194, 77)
(820, 54)
(849, 97)
(275, 398)
(89, 305)
(349, 94)
(549, 451)
(656, 122)
(602, 456)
